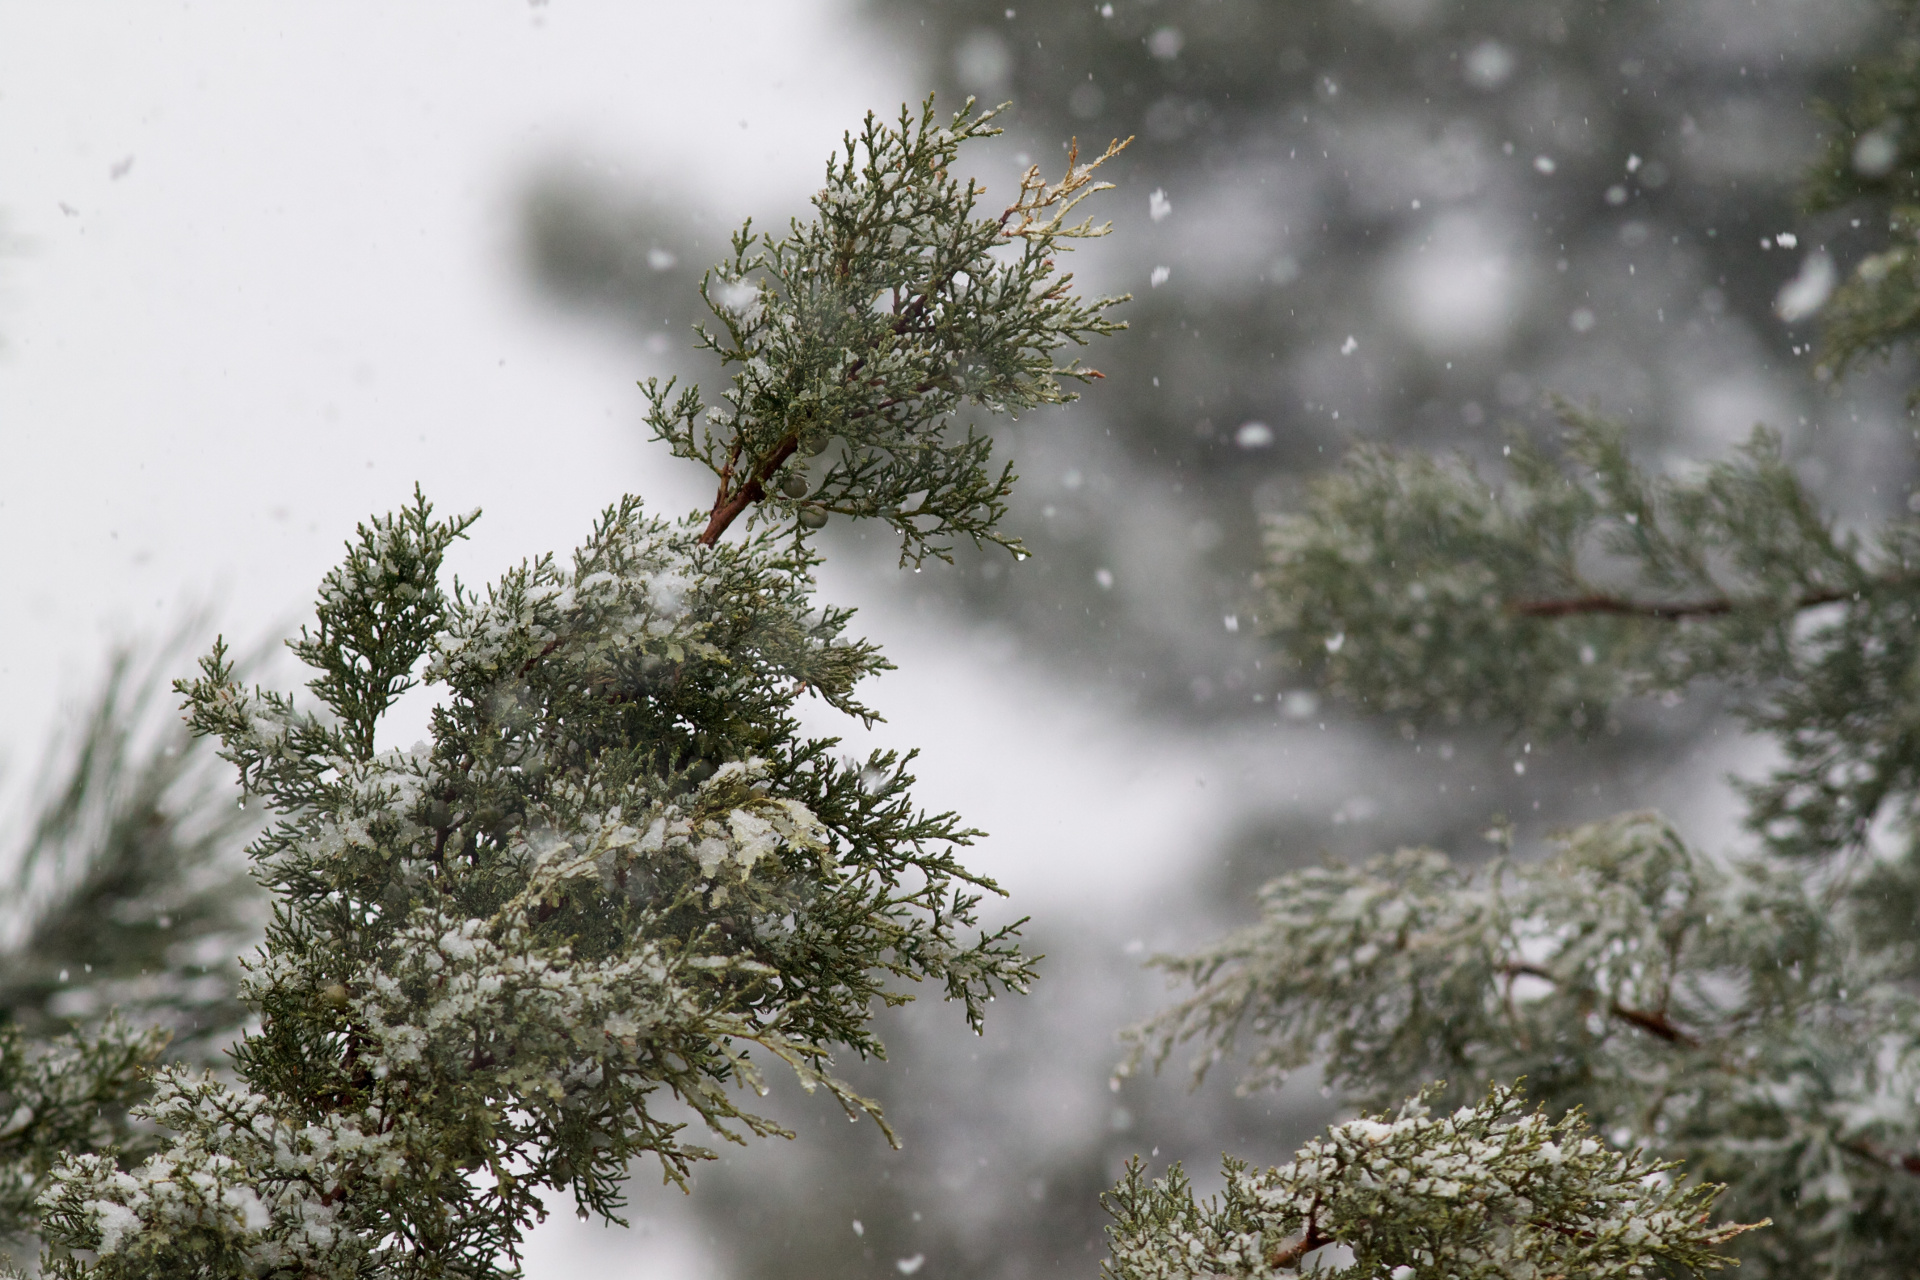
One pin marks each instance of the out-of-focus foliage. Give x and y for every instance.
(1413, 586)
(1591, 579)
(1490, 1192)
(129, 891)
(1880, 299)
(1490, 200)
(1752, 1015)
(1872, 160)
(129, 904)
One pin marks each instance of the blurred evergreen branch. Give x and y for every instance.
(1754, 1016)
(1872, 164)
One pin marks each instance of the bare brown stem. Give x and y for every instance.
(728, 507)
(1654, 1022)
(1672, 611)
(1908, 1163)
(1312, 1238)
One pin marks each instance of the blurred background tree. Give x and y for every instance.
(128, 891)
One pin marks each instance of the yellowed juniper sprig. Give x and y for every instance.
(874, 324)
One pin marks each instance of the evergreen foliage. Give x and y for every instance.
(1490, 1192)
(127, 892)
(1873, 160)
(505, 962)
(873, 323)
(1318, 162)
(1751, 1014)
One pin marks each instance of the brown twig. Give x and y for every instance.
(1653, 1022)
(727, 507)
(1527, 971)
(1290, 1255)
(1673, 611)
(539, 657)
(1310, 1239)
(1909, 1163)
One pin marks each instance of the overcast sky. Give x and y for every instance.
(263, 278)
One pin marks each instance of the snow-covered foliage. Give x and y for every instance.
(1490, 1192)
(1724, 1015)
(618, 880)
(70, 1094)
(615, 873)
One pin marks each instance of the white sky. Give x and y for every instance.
(301, 295)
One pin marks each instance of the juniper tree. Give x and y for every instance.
(1754, 1012)
(618, 880)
